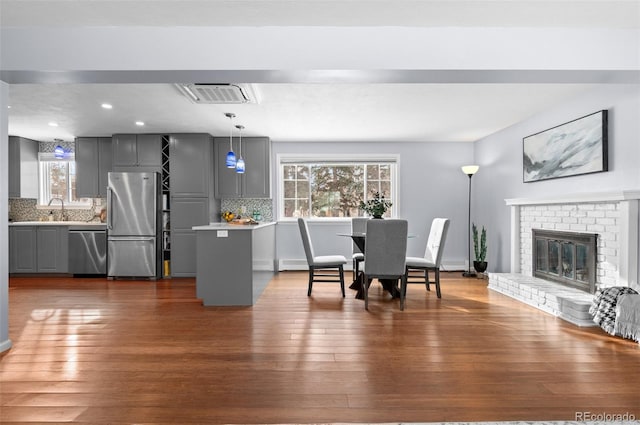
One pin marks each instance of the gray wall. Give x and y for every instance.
(430, 185)
(5, 342)
(500, 160)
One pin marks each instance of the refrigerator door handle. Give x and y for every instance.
(132, 238)
(109, 209)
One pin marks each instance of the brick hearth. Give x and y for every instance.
(561, 301)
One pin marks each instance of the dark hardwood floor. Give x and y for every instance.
(98, 351)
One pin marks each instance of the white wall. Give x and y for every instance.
(500, 159)
(5, 342)
(430, 185)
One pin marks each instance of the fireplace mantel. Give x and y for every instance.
(578, 198)
(627, 230)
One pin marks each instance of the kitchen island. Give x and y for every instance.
(234, 263)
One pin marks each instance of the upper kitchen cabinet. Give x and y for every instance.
(256, 180)
(191, 165)
(93, 163)
(23, 167)
(137, 152)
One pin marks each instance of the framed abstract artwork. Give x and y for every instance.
(569, 149)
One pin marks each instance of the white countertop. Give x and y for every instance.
(96, 224)
(227, 226)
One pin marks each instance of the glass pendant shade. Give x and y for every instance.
(240, 162)
(58, 152)
(240, 166)
(231, 160)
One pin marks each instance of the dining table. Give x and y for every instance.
(390, 285)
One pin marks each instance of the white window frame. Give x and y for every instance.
(43, 191)
(357, 158)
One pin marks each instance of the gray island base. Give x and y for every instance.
(234, 262)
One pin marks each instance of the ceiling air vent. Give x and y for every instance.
(215, 93)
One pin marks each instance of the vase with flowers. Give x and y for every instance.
(376, 206)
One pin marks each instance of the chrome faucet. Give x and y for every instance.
(62, 218)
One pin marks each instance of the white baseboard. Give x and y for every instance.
(293, 265)
(264, 265)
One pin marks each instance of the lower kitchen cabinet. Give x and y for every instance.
(38, 249)
(22, 250)
(183, 253)
(186, 213)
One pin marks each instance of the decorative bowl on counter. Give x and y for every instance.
(228, 216)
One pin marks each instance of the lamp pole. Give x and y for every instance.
(469, 170)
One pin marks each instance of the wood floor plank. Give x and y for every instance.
(99, 351)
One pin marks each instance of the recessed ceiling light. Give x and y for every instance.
(139, 123)
(107, 106)
(53, 124)
(8, 106)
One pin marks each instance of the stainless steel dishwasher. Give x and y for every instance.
(87, 250)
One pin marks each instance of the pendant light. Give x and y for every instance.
(231, 157)
(59, 152)
(240, 162)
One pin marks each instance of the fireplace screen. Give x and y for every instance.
(565, 257)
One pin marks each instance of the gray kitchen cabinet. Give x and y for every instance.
(227, 182)
(52, 249)
(191, 165)
(137, 152)
(23, 167)
(22, 249)
(38, 249)
(186, 213)
(256, 180)
(183, 254)
(93, 163)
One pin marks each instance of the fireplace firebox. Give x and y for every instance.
(568, 258)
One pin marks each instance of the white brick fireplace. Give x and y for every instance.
(613, 216)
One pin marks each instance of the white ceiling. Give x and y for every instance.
(300, 112)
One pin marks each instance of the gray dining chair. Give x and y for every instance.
(322, 268)
(385, 254)
(358, 225)
(432, 256)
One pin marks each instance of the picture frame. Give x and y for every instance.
(574, 148)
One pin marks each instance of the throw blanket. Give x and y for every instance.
(603, 308)
(628, 317)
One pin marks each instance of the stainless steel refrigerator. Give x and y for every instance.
(133, 225)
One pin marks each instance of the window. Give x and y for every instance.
(58, 180)
(333, 188)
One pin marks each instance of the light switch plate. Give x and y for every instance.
(222, 233)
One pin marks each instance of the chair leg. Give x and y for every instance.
(342, 281)
(437, 273)
(354, 265)
(356, 268)
(426, 279)
(365, 291)
(403, 291)
(310, 281)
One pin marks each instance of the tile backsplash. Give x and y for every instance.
(264, 206)
(24, 209)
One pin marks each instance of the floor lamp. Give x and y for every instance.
(469, 170)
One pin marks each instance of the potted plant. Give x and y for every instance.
(376, 206)
(480, 249)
